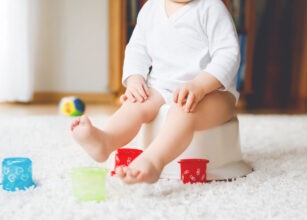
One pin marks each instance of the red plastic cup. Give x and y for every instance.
(124, 157)
(193, 170)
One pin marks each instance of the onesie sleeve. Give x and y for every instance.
(137, 60)
(223, 44)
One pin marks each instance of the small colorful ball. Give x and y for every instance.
(72, 106)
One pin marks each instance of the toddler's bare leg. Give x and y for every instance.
(176, 134)
(121, 128)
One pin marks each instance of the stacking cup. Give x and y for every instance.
(89, 183)
(124, 157)
(17, 174)
(193, 170)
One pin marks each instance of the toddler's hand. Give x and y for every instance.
(137, 89)
(189, 95)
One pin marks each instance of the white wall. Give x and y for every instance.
(72, 46)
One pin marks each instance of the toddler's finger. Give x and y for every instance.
(176, 93)
(182, 95)
(137, 95)
(190, 101)
(130, 96)
(145, 89)
(142, 93)
(123, 98)
(193, 107)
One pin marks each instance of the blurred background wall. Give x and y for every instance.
(279, 73)
(71, 45)
(72, 52)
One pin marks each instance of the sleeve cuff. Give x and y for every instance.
(125, 77)
(218, 73)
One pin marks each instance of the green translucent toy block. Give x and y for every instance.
(89, 183)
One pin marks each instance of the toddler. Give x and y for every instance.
(193, 50)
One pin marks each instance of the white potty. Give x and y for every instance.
(220, 145)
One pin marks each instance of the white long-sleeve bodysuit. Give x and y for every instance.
(199, 37)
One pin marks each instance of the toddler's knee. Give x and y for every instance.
(178, 112)
(146, 111)
(174, 109)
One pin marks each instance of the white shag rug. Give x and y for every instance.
(276, 146)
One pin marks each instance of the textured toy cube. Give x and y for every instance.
(72, 106)
(17, 174)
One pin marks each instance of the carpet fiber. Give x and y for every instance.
(276, 146)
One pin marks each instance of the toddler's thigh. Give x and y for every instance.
(216, 108)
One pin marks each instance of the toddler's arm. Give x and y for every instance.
(223, 44)
(225, 58)
(137, 61)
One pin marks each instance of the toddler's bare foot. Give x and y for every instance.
(144, 168)
(91, 139)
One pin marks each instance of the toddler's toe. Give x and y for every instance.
(129, 179)
(85, 120)
(74, 124)
(134, 173)
(120, 172)
(142, 177)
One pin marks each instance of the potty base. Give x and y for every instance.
(220, 145)
(227, 172)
